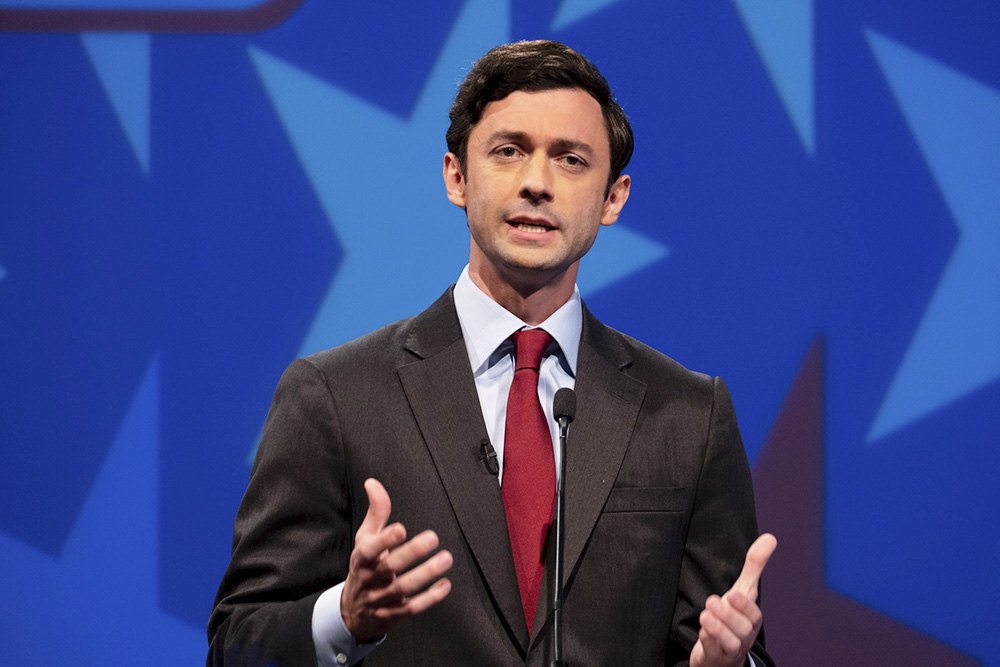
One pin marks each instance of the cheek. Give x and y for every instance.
(477, 210)
(590, 216)
(483, 200)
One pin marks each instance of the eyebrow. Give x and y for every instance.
(559, 144)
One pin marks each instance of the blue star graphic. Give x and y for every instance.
(108, 566)
(107, 265)
(76, 303)
(402, 239)
(954, 350)
(122, 61)
(783, 35)
(571, 11)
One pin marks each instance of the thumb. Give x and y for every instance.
(379, 507)
(757, 556)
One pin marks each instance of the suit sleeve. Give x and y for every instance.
(723, 525)
(292, 537)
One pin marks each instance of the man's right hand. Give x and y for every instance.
(382, 585)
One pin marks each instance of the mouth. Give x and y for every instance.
(531, 225)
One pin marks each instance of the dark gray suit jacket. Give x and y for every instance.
(659, 504)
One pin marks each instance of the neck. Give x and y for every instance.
(532, 301)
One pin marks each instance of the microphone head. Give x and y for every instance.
(564, 405)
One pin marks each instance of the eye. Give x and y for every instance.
(574, 161)
(507, 151)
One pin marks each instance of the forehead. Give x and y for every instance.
(561, 114)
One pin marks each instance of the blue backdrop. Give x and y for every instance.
(190, 198)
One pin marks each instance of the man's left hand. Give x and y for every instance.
(729, 624)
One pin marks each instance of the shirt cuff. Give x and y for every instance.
(335, 645)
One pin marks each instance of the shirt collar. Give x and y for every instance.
(486, 324)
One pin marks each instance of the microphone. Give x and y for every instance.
(564, 410)
(564, 407)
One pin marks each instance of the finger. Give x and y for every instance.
(370, 549)
(403, 557)
(697, 657)
(709, 646)
(744, 605)
(377, 561)
(410, 584)
(418, 603)
(430, 597)
(718, 632)
(757, 556)
(374, 622)
(736, 621)
(379, 507)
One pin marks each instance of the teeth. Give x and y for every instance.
(534, 229)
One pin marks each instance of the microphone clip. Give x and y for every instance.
(489, 457)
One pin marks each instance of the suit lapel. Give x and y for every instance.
(441, 377)
(608, 403)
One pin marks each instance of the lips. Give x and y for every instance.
(531, 225)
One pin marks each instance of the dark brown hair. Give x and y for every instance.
(533, 66)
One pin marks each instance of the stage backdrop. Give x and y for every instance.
(194, 193)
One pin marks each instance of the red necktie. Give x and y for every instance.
(529, 470)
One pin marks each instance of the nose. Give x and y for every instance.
(537, 184)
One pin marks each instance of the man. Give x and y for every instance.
(445, 414)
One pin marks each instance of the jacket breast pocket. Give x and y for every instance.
(645, 499)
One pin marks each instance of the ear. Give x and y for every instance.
(617, 197)
(454, 181)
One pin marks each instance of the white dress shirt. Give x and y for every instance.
(486, 328)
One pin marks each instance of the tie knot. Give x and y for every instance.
(530, 345)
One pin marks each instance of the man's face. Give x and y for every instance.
(533, 189)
